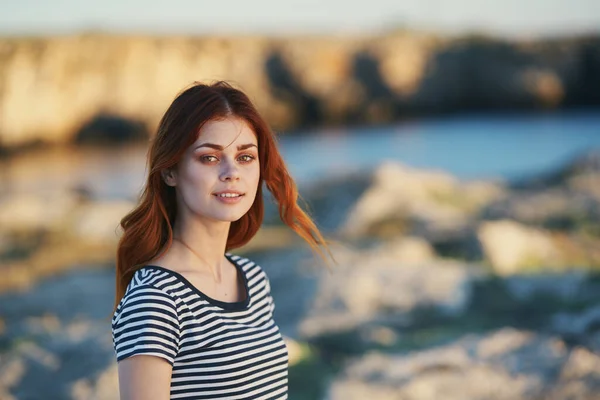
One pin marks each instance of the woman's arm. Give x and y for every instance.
(145, 330)
(144, 377)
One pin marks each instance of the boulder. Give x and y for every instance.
(403, 196)
(405, 250)
(377, 285)
(504, 364)
(511, 247)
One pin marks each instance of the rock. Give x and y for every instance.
(401, 195)
(297, 351)
(62, 214)
(499, 343)
(104, 387)
(12, 370)
(587, 184)
(579, 377)
(583, 175)
(330, 200)
(406, 250)
(511, 247)
(318, 77)
(47, 323)
(566, 199)
(148, 72)
(531, 207)
(40, 355)
(109, 129)
(560, 208)
(380, 335)
(295, 81)
(580, 166)
(398, 191)
(481, 193)
(505, 364)
(388, 288)
(57, 341)
(403, 60)
(70, 233)
(50, 370)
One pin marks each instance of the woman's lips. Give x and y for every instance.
(229, 197)
(228, 191)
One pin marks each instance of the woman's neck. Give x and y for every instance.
(204, 243)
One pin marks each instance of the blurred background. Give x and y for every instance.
(451, 150)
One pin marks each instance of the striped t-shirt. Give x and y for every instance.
(218, 350)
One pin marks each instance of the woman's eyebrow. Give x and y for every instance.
(219, 147)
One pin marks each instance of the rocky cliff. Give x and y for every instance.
(60, 89)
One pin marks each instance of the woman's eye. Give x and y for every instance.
(208, 158)
(246, 158)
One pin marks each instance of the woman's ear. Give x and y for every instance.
(168, 175)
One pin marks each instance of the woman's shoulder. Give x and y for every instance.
(148, 285)
(250, 267)
(150, 278)
(147, 319)
(256, 276)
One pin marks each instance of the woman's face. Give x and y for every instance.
(217, 177)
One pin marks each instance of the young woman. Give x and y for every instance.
(192, 320)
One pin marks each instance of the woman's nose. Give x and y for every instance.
(230, 171)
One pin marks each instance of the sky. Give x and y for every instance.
(521, 18)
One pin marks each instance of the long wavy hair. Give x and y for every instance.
(148, 229)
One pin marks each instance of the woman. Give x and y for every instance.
(198, 319)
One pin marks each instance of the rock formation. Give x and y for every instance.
(94, 87)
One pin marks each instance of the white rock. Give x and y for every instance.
(432, 197)
(367, 285)
(509, 246)
(407, 250)
(504, 365)
(297, 351)
(104, 387)
(12, 370)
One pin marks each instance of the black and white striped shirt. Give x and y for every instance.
(218, 350)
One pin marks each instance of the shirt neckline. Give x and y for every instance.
(230, 306)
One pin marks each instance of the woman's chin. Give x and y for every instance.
(229, 217)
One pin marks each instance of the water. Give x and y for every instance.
(470, 147)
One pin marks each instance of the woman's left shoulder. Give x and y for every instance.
(251, 267)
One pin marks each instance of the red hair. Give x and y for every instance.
(148, 228)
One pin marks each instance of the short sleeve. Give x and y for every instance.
(146, 322)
